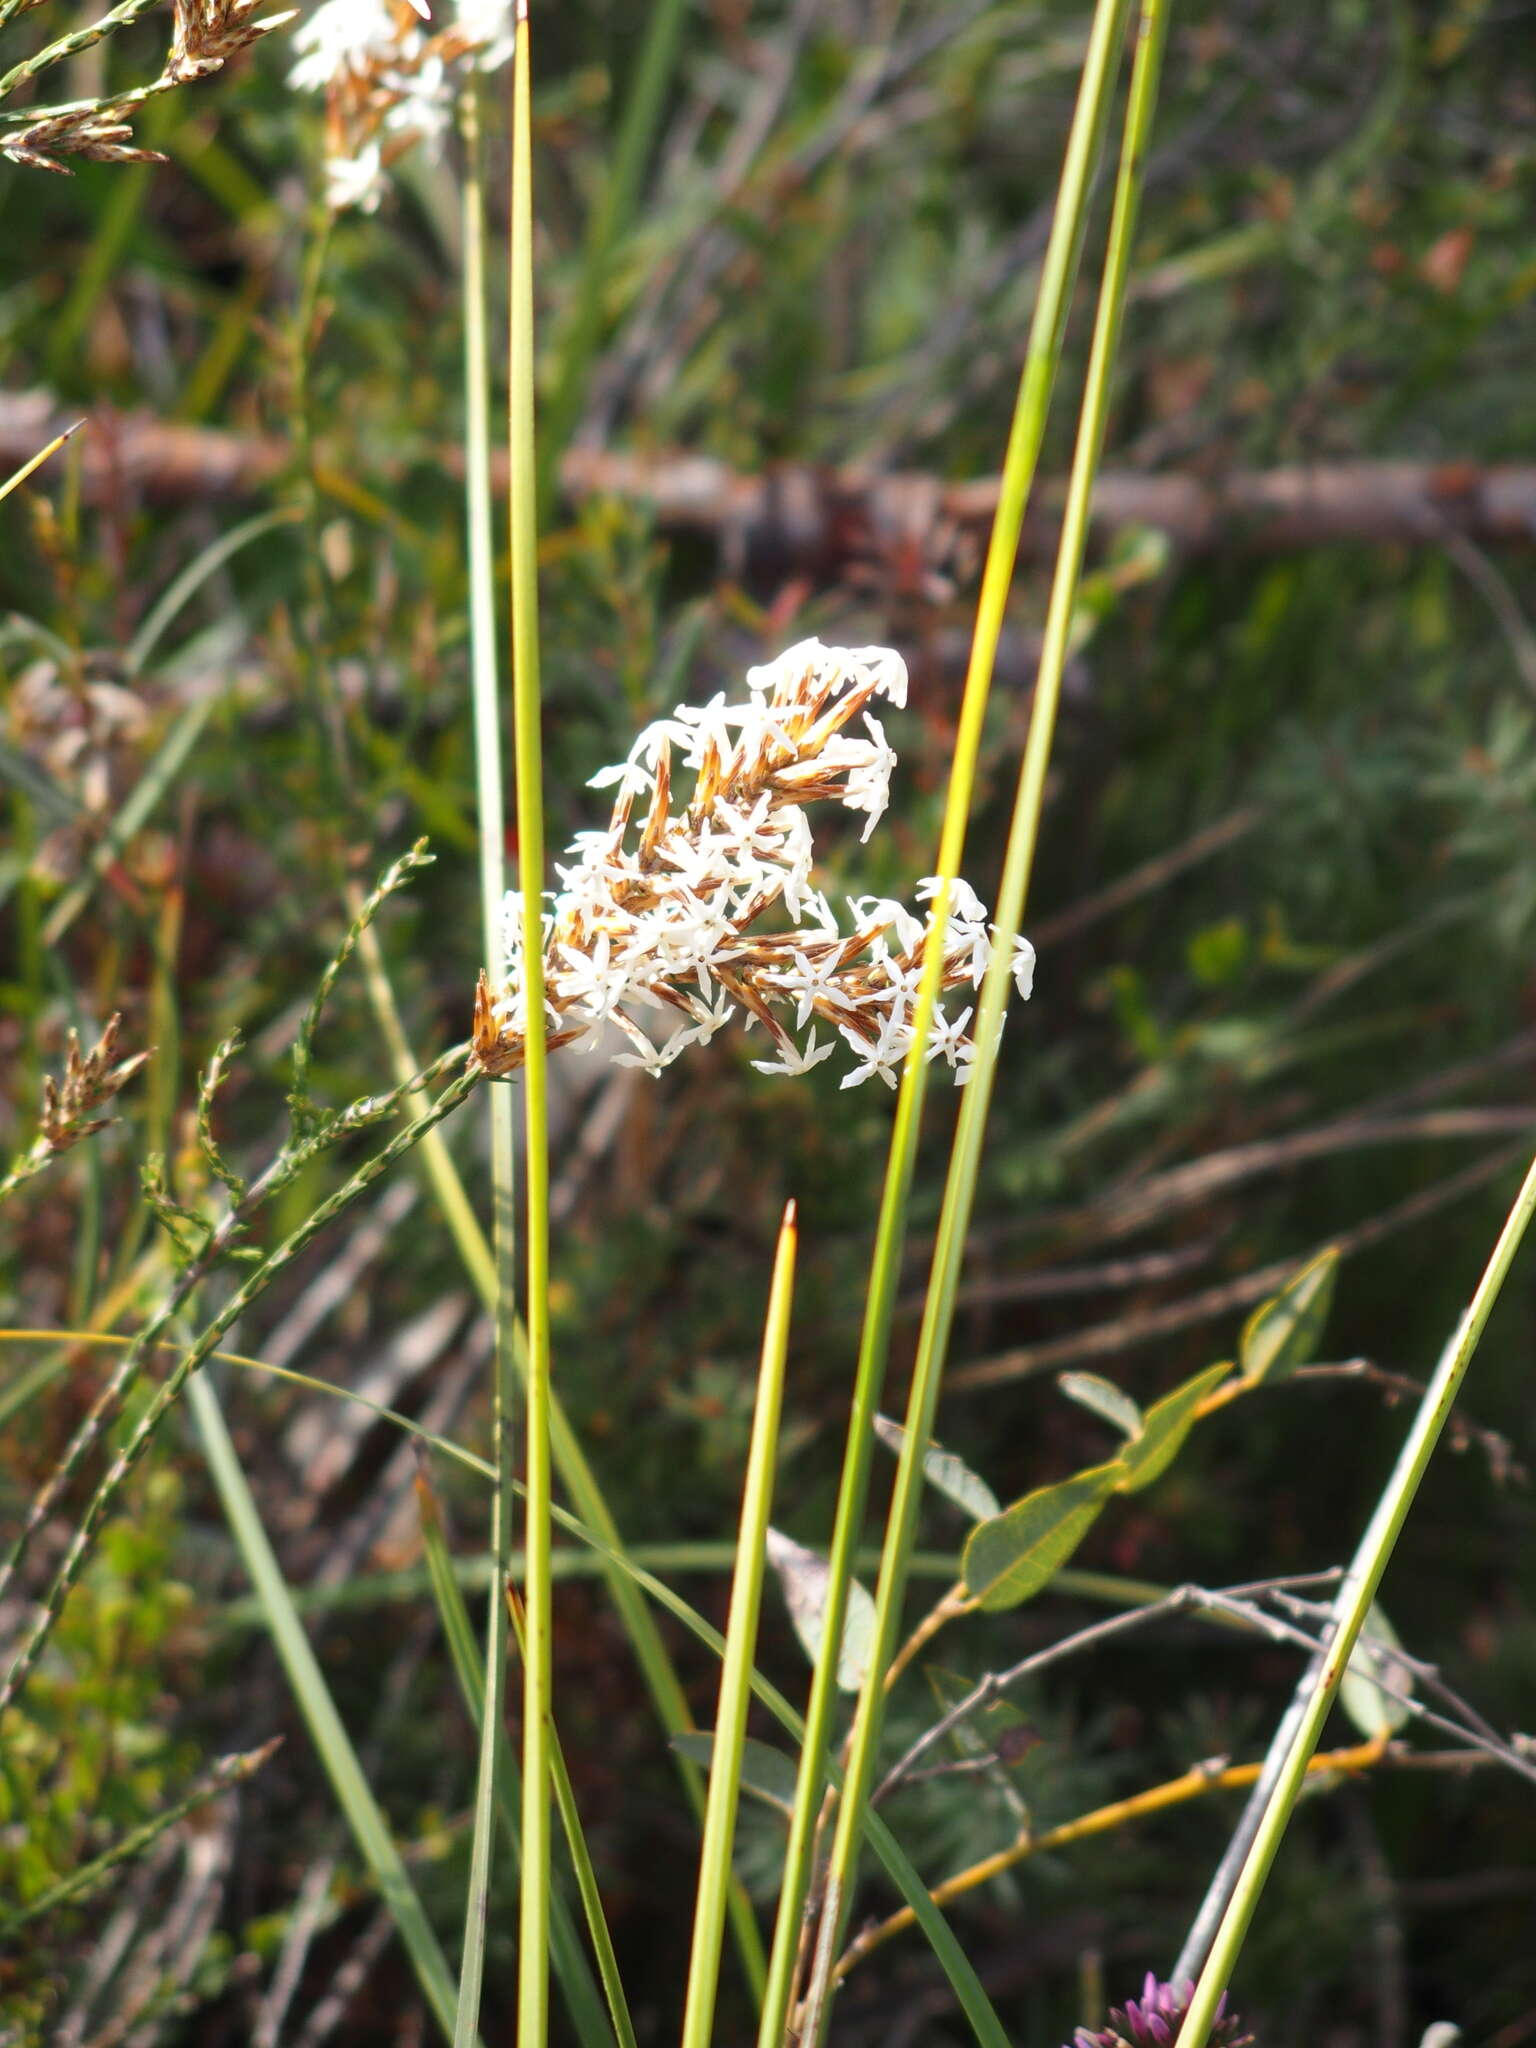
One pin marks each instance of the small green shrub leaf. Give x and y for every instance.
(1009, 1558)
(1283, 1333)
(1168, 1423)
(1372, 1664)
(804, 1575)
(1104, 1398)
(766, 1772)
(945, 1473)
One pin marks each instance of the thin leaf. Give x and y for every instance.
(736, 1668)
(1168, 1422)
(1372, 1666)
(945, 1473)
(186, 586)
(1283, 1333)
(1009, 1559)
(20, 476)
(566, 1952)
(312, 1695)
(1102, 1398)
(804, 1575)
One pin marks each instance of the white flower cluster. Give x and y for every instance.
(390, 81)
(665, 915)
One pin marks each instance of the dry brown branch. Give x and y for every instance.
(806, 518)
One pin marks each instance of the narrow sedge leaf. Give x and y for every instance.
(804, 1576)
(1372, 1665)
(20, 476)
(1103, 1398)
(1283, 1333)
(1167, 1424)
(945, 1473)
(354, 1795)
(766, 1772)
(727, 1764)
(1010, 1558)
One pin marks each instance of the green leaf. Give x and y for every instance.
(1373, 1664)
(1283, 1334)
(1104, 1398)
(765, 1771)
(1009, 1558)
(804, 1574)
(1167, 1424)
(945, 1473)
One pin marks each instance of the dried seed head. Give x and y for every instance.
(90, 1079)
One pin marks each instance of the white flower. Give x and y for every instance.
(948, 1037)
(663, 914)
(868, 787)
(424, 107)
(1024, 967)
(805, 981)
(342, 36)
(796, 1060)
(355, 181)
(487, 24)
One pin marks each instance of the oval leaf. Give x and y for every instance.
(1283, 1333)
(1373, 1664)
(765, 1771)
(1104, 1398)
(1168, 1423)
(804, 1575)
(1009, 1558)
(945, 1473)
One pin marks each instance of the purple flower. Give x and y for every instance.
(1154, 2020)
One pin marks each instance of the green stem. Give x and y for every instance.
(1042, 355)
(538, 1712)
(736, 1668)
(965, 1159)
(486, 692)
(1350, 1607)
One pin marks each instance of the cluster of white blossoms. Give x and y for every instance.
(663, 915)
(390, 74)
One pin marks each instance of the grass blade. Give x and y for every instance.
(1286, 1767)
(538, 1708)
(486, 694)
(20, 476)
(1042, 355)
(1018, 863)
(369, 1828)
(571, 1966)
(740, 1639)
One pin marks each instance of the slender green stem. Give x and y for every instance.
(740, 1640)
(538, 1711)
(487, 721)
(1042, 355)
(965, 1158)
(1350, 1607)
